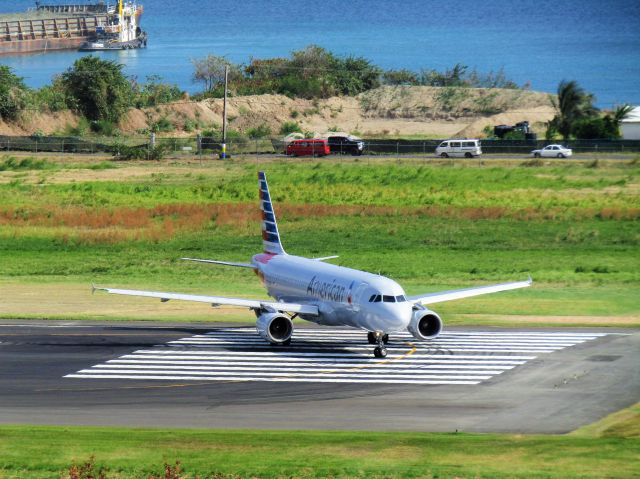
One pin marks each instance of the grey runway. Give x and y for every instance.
(469, 379)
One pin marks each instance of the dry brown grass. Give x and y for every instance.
(92, 226)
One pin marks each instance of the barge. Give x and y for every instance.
(96, 26)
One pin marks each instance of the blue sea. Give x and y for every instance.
(541, 42)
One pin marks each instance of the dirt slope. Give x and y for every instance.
(390, 111)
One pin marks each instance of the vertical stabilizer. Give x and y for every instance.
(270, 235)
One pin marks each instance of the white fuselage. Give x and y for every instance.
(344, 296)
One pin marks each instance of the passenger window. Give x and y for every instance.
(455, 144)
(389, 299)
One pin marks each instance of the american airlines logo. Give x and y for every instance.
(331, 291)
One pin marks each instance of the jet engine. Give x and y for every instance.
(275, 328)
(425, 324)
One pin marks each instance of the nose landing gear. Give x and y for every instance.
(379, 338)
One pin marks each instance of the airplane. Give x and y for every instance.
(326, 294)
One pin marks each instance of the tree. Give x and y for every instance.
(354, 75)
(573, 104)
(210, 71)
(98, 88)
(400, 77)
(12, 94)
(607, 126)
(452, 77)
(595, 128)
(156, 92)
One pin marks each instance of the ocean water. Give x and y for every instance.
(541, 42)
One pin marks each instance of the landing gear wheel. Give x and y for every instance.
(380, 352)
(380, 339)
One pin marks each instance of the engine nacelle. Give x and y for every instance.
(275, 328)
(425, 324)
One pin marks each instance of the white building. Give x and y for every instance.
(630, 125)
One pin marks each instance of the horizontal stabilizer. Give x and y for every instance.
(225, 263)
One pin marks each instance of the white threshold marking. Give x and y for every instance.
(334, 356)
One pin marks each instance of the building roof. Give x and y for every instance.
(633, 116)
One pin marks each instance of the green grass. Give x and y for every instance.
(44, 452)
(429, 226)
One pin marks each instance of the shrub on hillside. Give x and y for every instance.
(290, 127)
(156, 92)
(98, 88)
(261, 131)
(13, 93)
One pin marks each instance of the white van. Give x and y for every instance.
(462, 148)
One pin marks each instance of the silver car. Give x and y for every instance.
(553, 151)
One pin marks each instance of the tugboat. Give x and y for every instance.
(122, 30)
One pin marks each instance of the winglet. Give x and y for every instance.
(324, 258)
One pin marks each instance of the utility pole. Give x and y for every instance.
(223, 153)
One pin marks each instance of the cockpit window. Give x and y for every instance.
(400, 299)
(389, 299)
(373, 296)
(377, 299)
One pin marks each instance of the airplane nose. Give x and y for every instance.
(400, 317)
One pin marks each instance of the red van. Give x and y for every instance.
(312, 147)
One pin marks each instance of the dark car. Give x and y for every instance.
(345, 145)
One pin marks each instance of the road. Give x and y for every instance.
(224, 376)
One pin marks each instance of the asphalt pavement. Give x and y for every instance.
(224, 376)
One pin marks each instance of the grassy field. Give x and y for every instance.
(573, 226)
(65, 223)
(607, 449)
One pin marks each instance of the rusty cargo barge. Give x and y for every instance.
(93, 26)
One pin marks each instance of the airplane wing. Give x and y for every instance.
(440, 297)
(217, 300)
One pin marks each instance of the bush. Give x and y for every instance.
(140, 152)
(13, 94)
(13, 164)
(596, 128)
(98, 88)
(290, 127)
(155, 92)
(163, 124)
(259, 132)
(104, 127)
(50, 98)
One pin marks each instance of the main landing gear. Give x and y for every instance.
(379, 338)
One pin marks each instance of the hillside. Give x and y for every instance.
(386, 111)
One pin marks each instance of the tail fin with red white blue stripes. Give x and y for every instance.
(270, 235)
